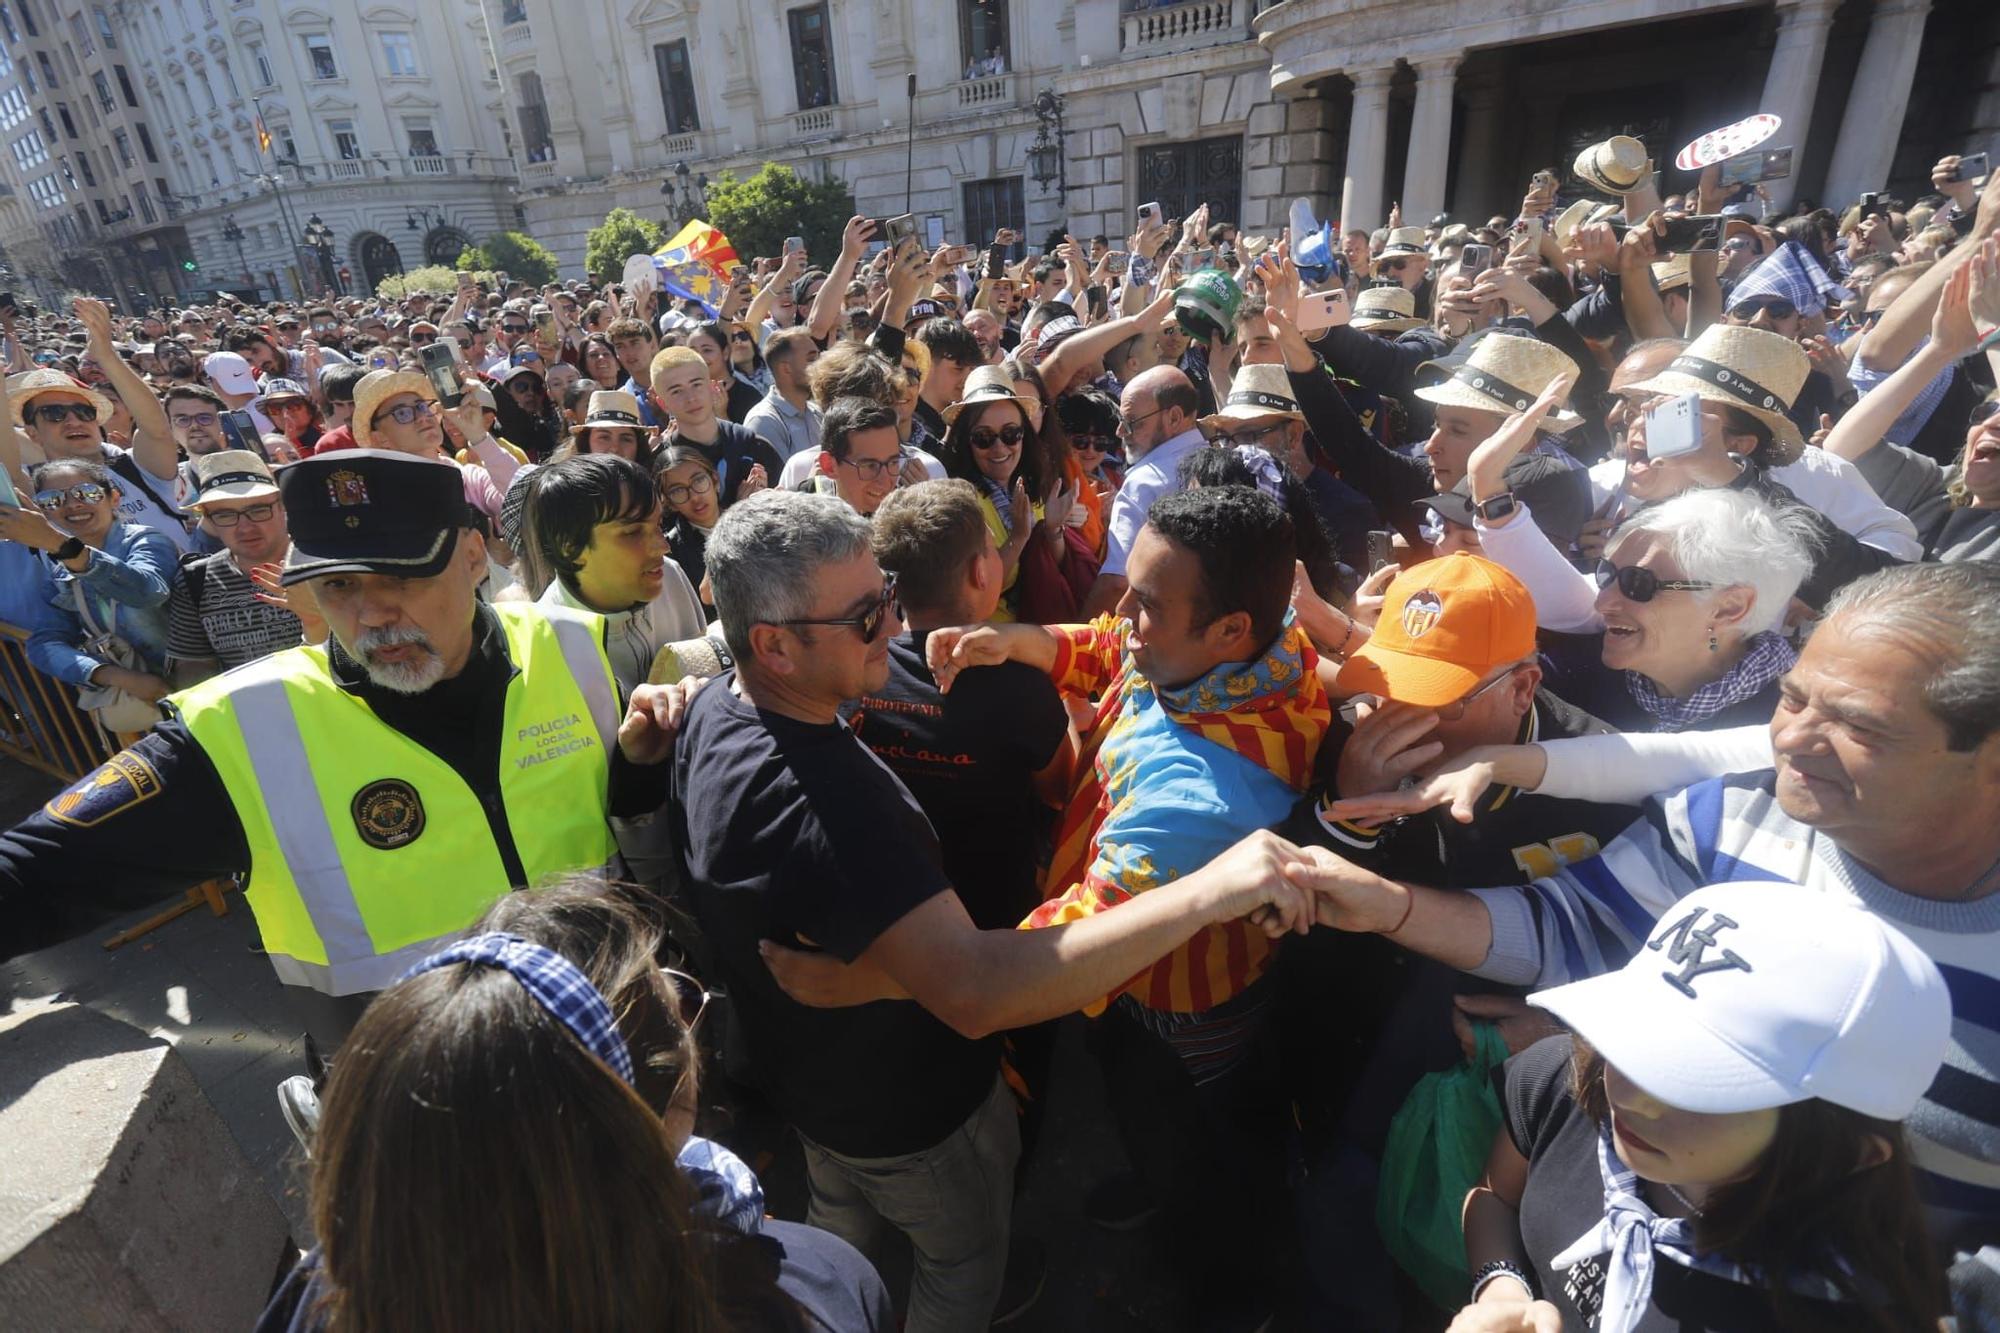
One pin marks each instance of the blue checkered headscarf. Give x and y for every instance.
(1789, 271)
(554, 982)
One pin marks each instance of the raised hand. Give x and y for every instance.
(1390, 743)
(95, 316)
(756, 481)
(950, 651)
(653, 717)
(854, 237)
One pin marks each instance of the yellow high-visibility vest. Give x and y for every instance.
(367, 851)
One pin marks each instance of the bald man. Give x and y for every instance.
(1158, 410)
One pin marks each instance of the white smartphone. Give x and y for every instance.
(1149, 215)
(1673, 428)
(1323, 310)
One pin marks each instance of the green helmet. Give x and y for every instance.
(1205, 305)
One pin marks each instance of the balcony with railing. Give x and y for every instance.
(538, 173)
(516, 38)
(995, 90)
(1164, 29)
(814, 122)
(347, 169)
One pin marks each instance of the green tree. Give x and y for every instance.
(433, 278)
(621, 235)
(514, 253)
(759, 213)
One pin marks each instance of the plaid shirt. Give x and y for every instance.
(1767, 658)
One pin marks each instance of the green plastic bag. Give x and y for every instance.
(1437, 1150)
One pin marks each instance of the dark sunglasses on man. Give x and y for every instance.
(869, 622)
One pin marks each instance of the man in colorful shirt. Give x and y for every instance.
(1208, 717)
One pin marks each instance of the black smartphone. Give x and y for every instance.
(1970, 168)
(1872, 205)
(1381, 549)
(239, 431)
(1695, 231)
(440, 362)
(1475, 258)
(996, 263)
(7, 302)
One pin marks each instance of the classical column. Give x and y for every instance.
(1430, 139)
(1876, 101)
(1792, 81)
(1479, 194)
(1367, 150)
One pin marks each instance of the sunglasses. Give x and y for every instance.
(464, 344)
(739, 337)
(423, 339)
(88, 492)
(229, 518)
(1094, 444)
(869, 622)
(405, 413)
(681, 492)
(987, 438)
(513, 328)
(1983, 412)
(1778, 307)
(1642, 585)
(1251, 438)
(63, 412)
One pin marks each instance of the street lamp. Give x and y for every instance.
(234, 235)
(688, 200)
(1047, 160)
(319, 237)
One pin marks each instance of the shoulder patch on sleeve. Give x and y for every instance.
(121, 782)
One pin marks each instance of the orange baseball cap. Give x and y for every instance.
(1445, 625)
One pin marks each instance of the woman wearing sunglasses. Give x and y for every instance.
(109, 582)
(991, 441)
(599, 1207)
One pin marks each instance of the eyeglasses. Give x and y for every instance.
(1455, 710)
(64, 412)
(404, 414)
(87, 492)
(1642, 585)
(229, 518)
(1776, 306)
(681, 492)
(1126, 426)
(1248, 438)
(869, 622)
(987, 438)
(1093, 444)
(423, 339)
(869, 469)
(288, 326)
(690, 996)
(186, 419)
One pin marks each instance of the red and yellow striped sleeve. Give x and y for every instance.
(1088, 656)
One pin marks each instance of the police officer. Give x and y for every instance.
(380, 790)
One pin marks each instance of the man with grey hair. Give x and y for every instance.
(1882, 789)
(796, 835)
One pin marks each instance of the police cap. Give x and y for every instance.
(370, 511)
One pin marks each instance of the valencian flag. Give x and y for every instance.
(698, 264)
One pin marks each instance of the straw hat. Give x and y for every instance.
(1570, 219)
(231, 474)
(989, 384)
(1505, 373)
(1617, 165)
(1752, 369)
(1406, 241)
(1393, 308)
(24, 388)
(1672, 273)
(612, 407)
(1258, 393)
(372, 389)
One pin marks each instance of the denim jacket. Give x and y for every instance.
(127, 581)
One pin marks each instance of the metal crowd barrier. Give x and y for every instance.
(40, 724)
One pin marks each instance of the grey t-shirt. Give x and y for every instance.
(1909, 483)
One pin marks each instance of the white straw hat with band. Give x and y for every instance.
(611, 407)
(1258, 393)
(1392, 308)
(989, 384)
(1752, 369)
(1505, 373)
(1618, 165)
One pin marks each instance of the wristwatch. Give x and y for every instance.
(1497, 508)
(70, 549)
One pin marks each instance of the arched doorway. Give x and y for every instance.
(379, 259)
(444, 245)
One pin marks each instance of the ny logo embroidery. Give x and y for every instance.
(1690, 946)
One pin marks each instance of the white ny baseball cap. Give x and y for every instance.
(1754, 995)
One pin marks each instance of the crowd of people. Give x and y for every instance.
(1322, 660)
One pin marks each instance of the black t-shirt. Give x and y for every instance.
(1564, 1198)
(733, 453)
(793, 831)
(969, 758)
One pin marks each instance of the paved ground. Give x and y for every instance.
(200, 983)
